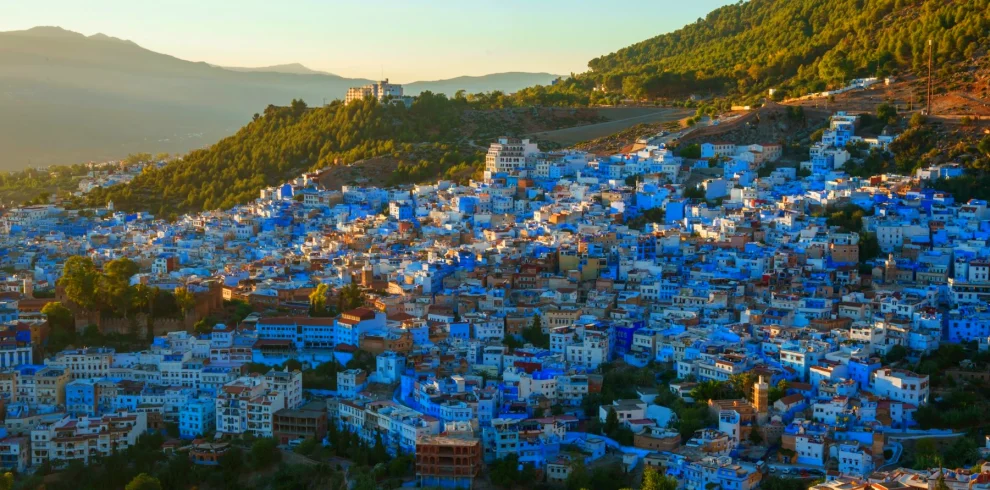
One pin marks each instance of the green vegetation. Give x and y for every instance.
(318, 302)
(954, 453)
(280, 144)
(110, 292)
(506, 473)
(692, 151)
(533, 334)
(796, 46)
(37, 185)
(350, 297)
(608, 477)
(144, 481)
(966, 404)
(849, 218)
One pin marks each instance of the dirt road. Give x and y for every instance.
(571, 136)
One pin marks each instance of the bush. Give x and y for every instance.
(264, 453)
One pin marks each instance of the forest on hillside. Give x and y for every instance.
(795, 46)
(279, 144)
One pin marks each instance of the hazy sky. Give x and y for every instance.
(408, 39)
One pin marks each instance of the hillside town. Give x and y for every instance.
(725, 319)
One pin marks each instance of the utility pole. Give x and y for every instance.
(929, 101)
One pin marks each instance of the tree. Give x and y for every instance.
(918, 119)
(754, 435)
(7, 481)
(869, 247)
(887, 114)
(113, 285)
(144, 481)
(63, 326)
(655, 480)
(817, 135)
(692, 151)
(58, 316)
(579, 478)
(835, 67)
(264, 453)
(351, 297)
(926, 452)
(895, 354)
(318, 300)
(185, 300)
(534, 334)
(611, 421)
(79, 277)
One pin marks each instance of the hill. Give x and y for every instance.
(794, 46)
(68, 98)
(433, 138)
(505, 82)
(290, 68)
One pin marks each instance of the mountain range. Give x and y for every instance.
(66, 97)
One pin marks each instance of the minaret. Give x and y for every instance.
(890, 271)
(761, 395)
(367, 275)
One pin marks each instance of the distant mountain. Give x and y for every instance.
(290, 68)
(506, 82)
(67, 98)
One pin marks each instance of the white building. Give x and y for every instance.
(350, 382)
(247, 405)
(590, 352)
(855, 460)
(389, 367)
(901, 385)
(72, 439)
(289, 383)
(510, 155)
(378, 91)
(90, 363)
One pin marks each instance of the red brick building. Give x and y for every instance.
(447, 461)
(309, 421)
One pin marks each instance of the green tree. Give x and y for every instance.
(144, 481)
(113, 285)
(63, 326)
(887, 114)
(59, 316)
(579, 478)
(534, 334)
(869, 247)
(184, 299)
(611, 422)
(692, 151)
(264, 453)
(835, 67)
(79, 277)
(926, 453)
(351, 297)
(895, 354)
(655, 480)
(7, 481)
(816, 136)
(318, 300)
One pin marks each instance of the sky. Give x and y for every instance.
(405, 40)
